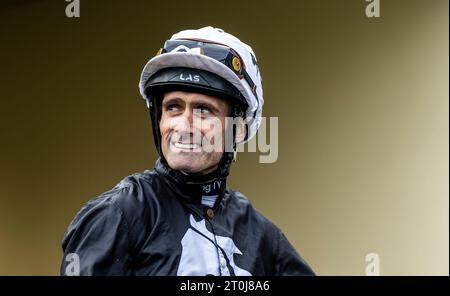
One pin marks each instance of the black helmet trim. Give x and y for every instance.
(194, 80)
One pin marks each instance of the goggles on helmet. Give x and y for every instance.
(222, 53)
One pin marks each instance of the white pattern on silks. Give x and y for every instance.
(199, 255)
(209, 200)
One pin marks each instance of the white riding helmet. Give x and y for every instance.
(215, 51)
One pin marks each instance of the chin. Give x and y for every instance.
(186, 164)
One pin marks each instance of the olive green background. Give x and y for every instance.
(363, 123)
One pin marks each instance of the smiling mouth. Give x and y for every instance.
(186, 145)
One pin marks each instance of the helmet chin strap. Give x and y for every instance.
(228, 156)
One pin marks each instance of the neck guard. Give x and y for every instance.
(193, 187)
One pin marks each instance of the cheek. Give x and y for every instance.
(213, 128)
(165, 130)
(214, 137)
(164, 126)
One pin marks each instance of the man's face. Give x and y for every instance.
(191, 124)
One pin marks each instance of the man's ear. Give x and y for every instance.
(241, 130)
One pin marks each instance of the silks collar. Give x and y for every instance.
(193, 187)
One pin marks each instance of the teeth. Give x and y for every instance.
(186, 145)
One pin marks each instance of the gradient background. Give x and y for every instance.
(363, 123)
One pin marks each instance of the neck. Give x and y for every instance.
(204, 172)
(193, 187)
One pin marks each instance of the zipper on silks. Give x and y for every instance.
(225, 263)
(209, 216)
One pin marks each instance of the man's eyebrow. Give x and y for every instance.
(196, 103)
(171, 100)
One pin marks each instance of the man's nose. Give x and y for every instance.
(187, 121)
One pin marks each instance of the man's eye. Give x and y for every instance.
(204, 110)
(172, 107)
